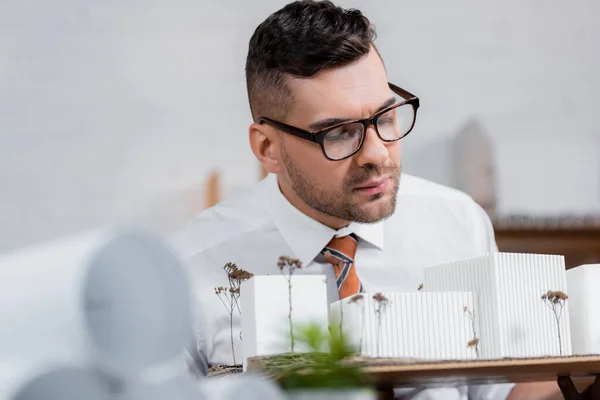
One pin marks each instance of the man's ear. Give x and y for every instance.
(264, 142)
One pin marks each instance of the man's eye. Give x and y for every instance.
(386, 120)
(339, 135)
(346, 133)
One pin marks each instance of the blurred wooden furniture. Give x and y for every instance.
(578, 239)
(213, 189)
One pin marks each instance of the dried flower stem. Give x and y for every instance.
(556, 301)
(473, 343)
(355, 300)
(381, 303)
(229, 296)
(290, 265)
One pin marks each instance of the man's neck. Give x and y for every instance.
(296, 201)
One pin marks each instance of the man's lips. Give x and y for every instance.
(374, 186)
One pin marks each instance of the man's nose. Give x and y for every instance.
(374, 150)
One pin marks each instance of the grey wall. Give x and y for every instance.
(108, 107)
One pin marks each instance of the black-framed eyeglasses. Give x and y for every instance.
(344, 139)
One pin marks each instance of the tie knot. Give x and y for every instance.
(343, 248)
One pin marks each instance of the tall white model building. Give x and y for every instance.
(513, 319)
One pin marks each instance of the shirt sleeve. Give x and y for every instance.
(444, 393)
(482, 227)
(490, 392)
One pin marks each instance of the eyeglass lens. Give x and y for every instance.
(345, 139)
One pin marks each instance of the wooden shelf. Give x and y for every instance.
(578, 241)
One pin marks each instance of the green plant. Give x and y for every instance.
(323, 366)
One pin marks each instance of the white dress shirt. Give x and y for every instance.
(431, 224)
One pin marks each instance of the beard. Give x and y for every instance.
(339, 202)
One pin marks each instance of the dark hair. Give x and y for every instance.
(301, 39)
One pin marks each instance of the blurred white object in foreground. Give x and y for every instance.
(584, 298)
(20, 380)
(116, 298)
(182, 387)
(241, 387)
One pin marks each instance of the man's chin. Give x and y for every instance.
(375, 210)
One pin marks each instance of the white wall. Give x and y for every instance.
(106, 107)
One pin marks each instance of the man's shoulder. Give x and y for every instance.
(418, 195)
(416, 187)
(434, 209)
(238, 215)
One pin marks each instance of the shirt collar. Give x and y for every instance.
(372, 233)
(306, 236)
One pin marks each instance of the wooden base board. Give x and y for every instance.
(414, 373)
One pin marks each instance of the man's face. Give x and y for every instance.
(361, 188)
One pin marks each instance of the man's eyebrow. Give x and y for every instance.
(326, 123)
(388, 103)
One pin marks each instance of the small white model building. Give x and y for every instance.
(513, 319)
(583, 283)
(265, 309)
(433, 326)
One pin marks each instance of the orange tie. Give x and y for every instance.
(340, 253)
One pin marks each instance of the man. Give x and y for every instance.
(327, 127)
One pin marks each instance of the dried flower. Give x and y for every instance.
(229, 296)
(380, 298)
(556, 301)
(355, 298)
(381, 303)
(555, 297)
(473, 343)
(290, 265)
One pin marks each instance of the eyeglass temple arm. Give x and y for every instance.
(289, 129)
(404, 93)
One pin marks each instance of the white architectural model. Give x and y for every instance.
(265, 308)
(513, 319)
(583, 283)
(486, 307)
(493, 306)
(420, 325)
